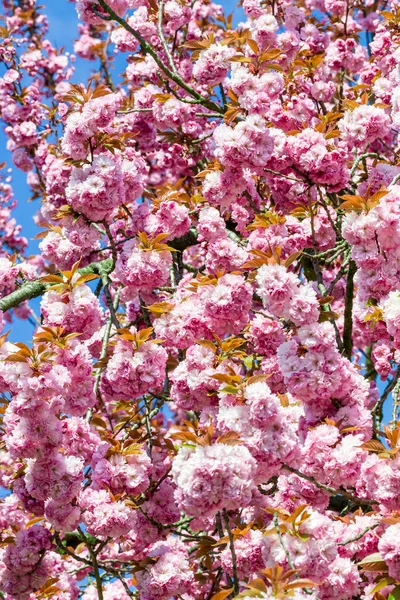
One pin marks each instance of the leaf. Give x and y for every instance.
(248, 361)
(234, 97)
(230, 389)
(33, 521)
(352, 203)
(266, 219)
(160, 308)
(271, 54)
(395, 593)
(284, 400)
(351, 104)
(222, 541)
(375, 198)
(258, 378)
(52, 279)
(391, 520)
(373, 562)
(15, 358)
(7, 540)
(249, 594)
(290, 259)
(300, 583)
(274, 67)
(253, 45)
(49, 583)
(230, 438)
(326, 315)
(85, 279)
(231, 114)
(41, 235)
(99, 422)
(132, 449)
(197, 44)
(100, 91)
(333, 133)
(388, 15)
(222, 594)
(160, 237)
(241, 59)
(232, 344)
(257, 584)
(325, 300)
(254, 263)
(207, 344)
(223, 378)
(185, 436)
(373, 446)
(144, 334)
(243, 529)
(3, 337)
(374, 316)
(382, 583)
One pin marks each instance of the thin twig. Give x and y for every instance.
(395, 179)
(112, 243)
(359, 535)
(329, 489)
(103, 354)
(162, 38)
(233, 553)
(134, 110)
(284, 176)
(348, 311)
(395, 395)
(282, 543)
(360, 159)
(96, 572)
(148, 49)
(148, 427)
(377, 410)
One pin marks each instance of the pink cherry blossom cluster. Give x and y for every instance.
(208, 405)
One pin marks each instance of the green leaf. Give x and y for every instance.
(230, 389)
(382, 583)
(248, 361)
(395, 593)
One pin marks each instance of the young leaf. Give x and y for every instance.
(222, 594)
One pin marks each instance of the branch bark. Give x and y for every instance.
(33, 289)
(329, 489)
(348, 311)
(233, 554)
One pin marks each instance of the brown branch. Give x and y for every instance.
(148, 49)
(330, 490)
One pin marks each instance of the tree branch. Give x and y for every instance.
(359, 535)
(163, 40)
(33, 289)
(233, 553)
(96, 572)
(148, 49)
(348, 311)
(329, 489)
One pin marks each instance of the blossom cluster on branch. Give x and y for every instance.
(202, 410)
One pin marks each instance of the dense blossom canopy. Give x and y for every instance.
(208, 407)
